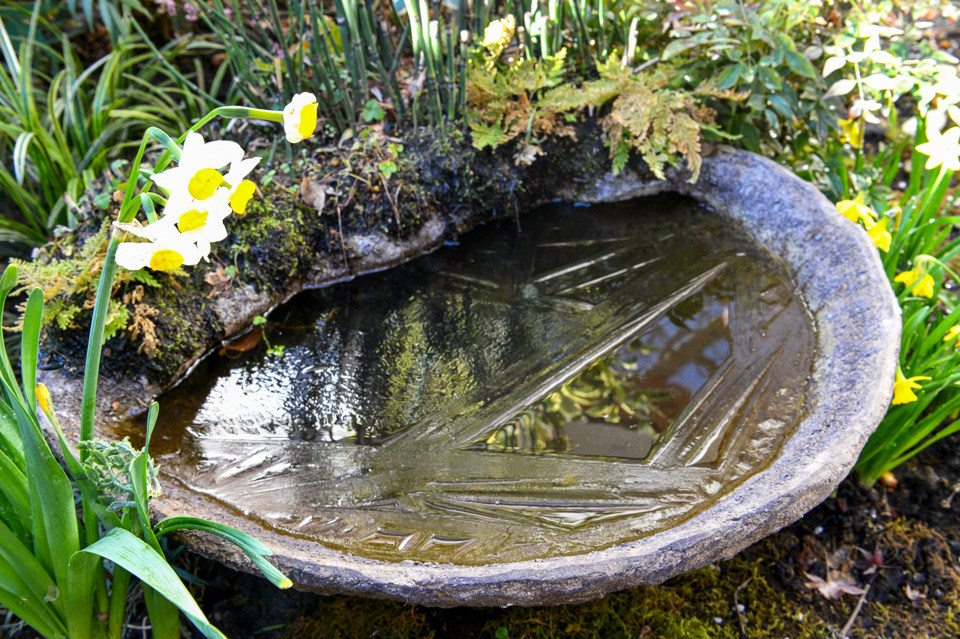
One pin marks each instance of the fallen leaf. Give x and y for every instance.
(243, 343)
(872, 561)
(314, 194)
(914, 595)
(526, 154)
(835, 585)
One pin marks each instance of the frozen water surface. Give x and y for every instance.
(589, 380)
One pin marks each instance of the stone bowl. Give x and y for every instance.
(837, 272)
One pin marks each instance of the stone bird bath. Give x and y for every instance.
(340, 523)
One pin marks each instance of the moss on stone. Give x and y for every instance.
(282, 239)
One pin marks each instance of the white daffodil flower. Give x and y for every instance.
(239, 191)
(198, 174)
(236, 191)
(167, 253)
(193, 221)
(942, 149)
(300, 117)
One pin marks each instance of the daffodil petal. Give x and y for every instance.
(220, 153)
(171, 178)
(239, 170)
(241, 196)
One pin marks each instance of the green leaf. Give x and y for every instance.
(164, 618)
(781, 106)
(124, 549)
(387, 169)
(484, 135)
(55, 528)
(138, 480)
(20, 155)
(676, 47)
(151, 423)
(799, 64)
(29, 345)
(372, 111)
(728, 78)
(751, 137)
(252, 547)
(81, 584)
(7, 282)
(87, 487)
(770, 79)
(164, 139)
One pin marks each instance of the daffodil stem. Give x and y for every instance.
(232, 113)
(91, 370)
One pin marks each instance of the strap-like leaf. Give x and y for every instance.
(7, 282)
(124, 549)
(54, 512)
(252, 547)
(29, 345)
(138, 479)
(151, 422)
(87, 487)
(81, 587)
(20, 149)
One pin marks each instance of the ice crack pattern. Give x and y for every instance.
(588, 380)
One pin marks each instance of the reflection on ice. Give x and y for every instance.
(617, 365)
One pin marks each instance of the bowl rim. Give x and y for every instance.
(857, 322)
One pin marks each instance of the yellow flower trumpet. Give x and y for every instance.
(923, 288)
(903, 388)
(300, 117)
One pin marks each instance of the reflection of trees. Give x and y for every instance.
(457, 331)
(615, 391)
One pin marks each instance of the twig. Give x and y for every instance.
(736, 606)
(647, 64)
(945, 503)
(856, 611)
(393, 201)
(343, 248)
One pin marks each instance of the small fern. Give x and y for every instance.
(645, 114)
(500, 102)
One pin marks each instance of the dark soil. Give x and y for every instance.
(915, 526)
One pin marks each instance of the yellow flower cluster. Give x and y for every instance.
(918, 280)
(856, 211)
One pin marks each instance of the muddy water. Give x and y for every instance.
(591, 379)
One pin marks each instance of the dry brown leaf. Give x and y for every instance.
(835, 585)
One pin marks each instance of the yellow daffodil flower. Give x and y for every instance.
(851, 132)
(923, 288)
(855, 211)
(880, 235)
(167, 253)
(953, 334)
(198, 175)
(903, 388)
(300, 117)
(942, 149)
